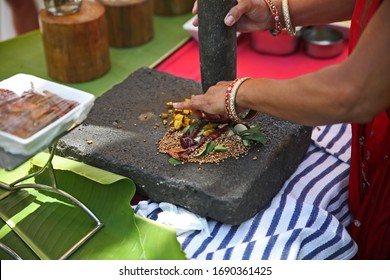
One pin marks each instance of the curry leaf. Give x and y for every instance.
(209, 147)
(220, 148)
(252, 134)
(255, 137)
(174, 161)
(193, 126)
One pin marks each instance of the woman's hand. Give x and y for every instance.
(250, 15)
(211, 103)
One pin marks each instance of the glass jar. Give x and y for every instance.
(62, 7)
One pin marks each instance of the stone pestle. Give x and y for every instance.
(217, 42)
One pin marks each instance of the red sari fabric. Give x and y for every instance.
(369, 183)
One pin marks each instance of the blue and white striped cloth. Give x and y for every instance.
(306, 220)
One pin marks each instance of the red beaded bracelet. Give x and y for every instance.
(275, 14)
(230, 103)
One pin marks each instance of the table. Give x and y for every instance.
(306, 220)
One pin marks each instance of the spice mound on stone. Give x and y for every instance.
(30, 112)
(189, 139)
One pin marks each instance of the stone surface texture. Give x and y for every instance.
(124, 141)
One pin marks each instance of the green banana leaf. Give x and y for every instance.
(50, 224)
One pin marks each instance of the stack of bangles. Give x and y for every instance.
(286, 15)
(230, 103)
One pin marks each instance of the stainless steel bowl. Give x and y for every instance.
(264, 42)
(322, 41)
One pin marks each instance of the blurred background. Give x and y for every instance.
(7, 27)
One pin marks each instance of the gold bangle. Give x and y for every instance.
(287, 20)
(230, 102)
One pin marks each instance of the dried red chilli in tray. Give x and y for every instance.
(27, 114)
(7, 96)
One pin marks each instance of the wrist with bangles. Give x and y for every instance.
(230, 103)
(286, 16)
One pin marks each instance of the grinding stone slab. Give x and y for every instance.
(124, 142)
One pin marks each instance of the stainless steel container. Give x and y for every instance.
(323, 41)
(264, 42)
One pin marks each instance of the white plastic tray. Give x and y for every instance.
(20, 83)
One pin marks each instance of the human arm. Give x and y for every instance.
(254, 15)
(355, 90)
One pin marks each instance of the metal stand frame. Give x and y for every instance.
(17, 185)
(9, 251)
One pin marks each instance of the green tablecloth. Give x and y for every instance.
(25, 54)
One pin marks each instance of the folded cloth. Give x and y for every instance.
(182, 220)
(305, 220)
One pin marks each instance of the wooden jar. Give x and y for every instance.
(172, 7)
(130, 22)
(76, 45)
